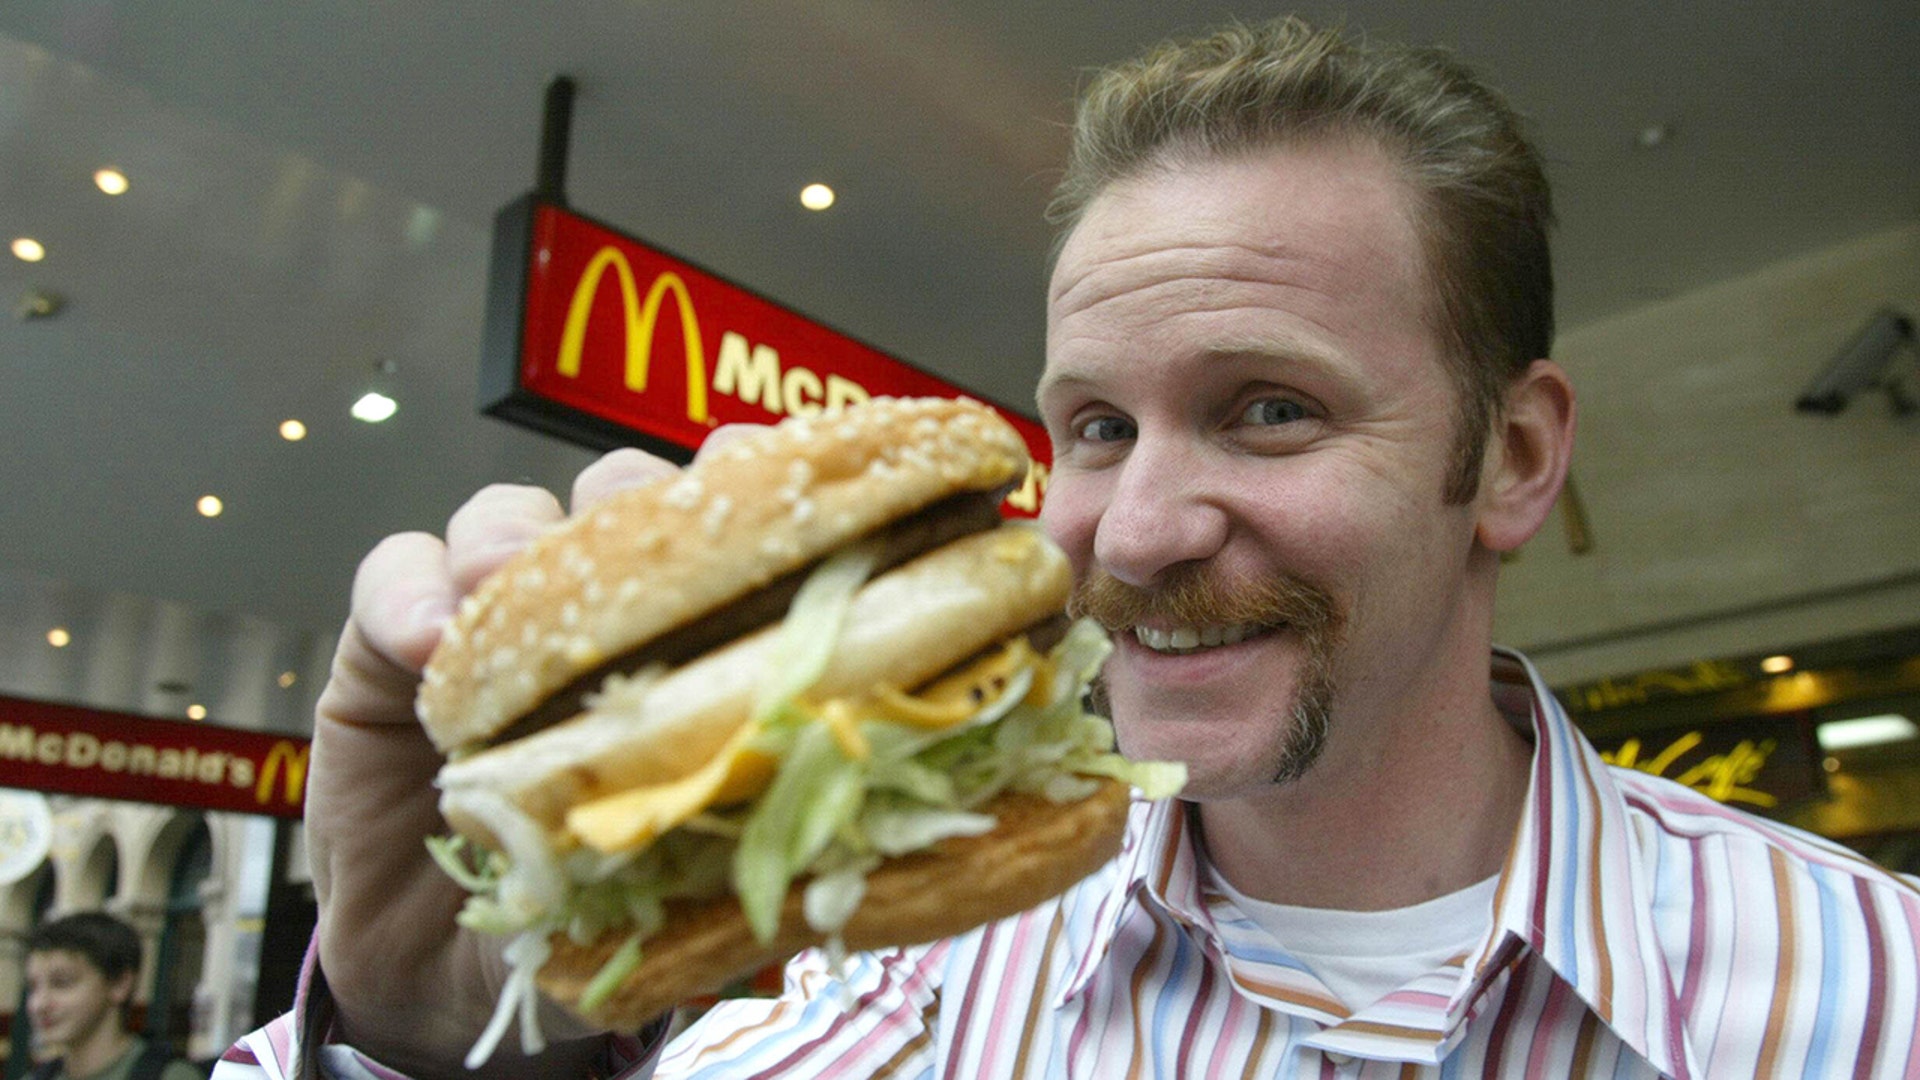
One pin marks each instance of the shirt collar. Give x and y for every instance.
(1571, 891)
(1157, 858)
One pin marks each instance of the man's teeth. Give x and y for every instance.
(1189, 638)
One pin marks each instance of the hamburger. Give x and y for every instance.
(813, 690)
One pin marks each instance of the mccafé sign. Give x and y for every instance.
(601, 339)
(1762, 763)
(72, 750)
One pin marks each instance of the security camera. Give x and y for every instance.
(1862, 365)
(39, 304)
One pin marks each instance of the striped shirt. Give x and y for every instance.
(1639, 929)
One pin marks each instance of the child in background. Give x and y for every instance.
(80, 977)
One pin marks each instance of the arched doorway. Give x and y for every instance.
(183, 942)
(99, 879)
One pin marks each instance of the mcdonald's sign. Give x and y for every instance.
(287, 763)
(607, 341)
(75, 750)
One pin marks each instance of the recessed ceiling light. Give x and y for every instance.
(210, 506)
(27, 249)
(816, 196)
(1777, 665)
(196, 712)
(59, 638)
(1865, 731)
(1653, 135)
(292, 430)
(374, 407)
(111, 181)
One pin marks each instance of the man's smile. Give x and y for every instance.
(1181, 640)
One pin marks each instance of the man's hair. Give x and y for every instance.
(108, 944)
(1482, 205)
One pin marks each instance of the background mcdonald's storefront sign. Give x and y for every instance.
(71, 750)
(599, 338)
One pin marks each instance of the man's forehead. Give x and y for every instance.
(1223, 212)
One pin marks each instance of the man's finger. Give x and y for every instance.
(492, 527)
(401, 600)
(619, 470)
(720, 437)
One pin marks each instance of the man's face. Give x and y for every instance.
(1251, 427)
(69, 1000)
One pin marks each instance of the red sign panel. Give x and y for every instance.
(79, 751)
(600, 338)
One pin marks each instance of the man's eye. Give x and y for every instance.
(1269, 411)
(1106, 429)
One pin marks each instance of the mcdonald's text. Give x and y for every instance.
(75, 750)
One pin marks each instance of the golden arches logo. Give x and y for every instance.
(294, 759)
(641, 316)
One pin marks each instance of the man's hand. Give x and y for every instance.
(413, 989)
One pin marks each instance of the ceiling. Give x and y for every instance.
(313, 185)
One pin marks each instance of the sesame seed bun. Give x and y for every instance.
(648, 561)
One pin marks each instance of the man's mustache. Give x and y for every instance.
(1198, 595)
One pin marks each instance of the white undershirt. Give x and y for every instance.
(1363, 955)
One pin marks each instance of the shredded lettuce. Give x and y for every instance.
(909, 777)
(451, 853)
(812, 626)
(621, 964)
(519, 999)
(830, 899)
(1078, 657)
(816, 792)
(1155, 779)
(899, 830)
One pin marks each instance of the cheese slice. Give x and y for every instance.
(957, 697)
(632, 819)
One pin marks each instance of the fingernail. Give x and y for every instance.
(430, 613)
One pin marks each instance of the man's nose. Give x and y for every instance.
(1162, 513)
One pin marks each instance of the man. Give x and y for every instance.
(80, 975)
(1299, 406)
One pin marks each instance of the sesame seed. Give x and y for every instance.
(684, 494)
(716, 515)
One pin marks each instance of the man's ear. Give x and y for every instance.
(1528, 452)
